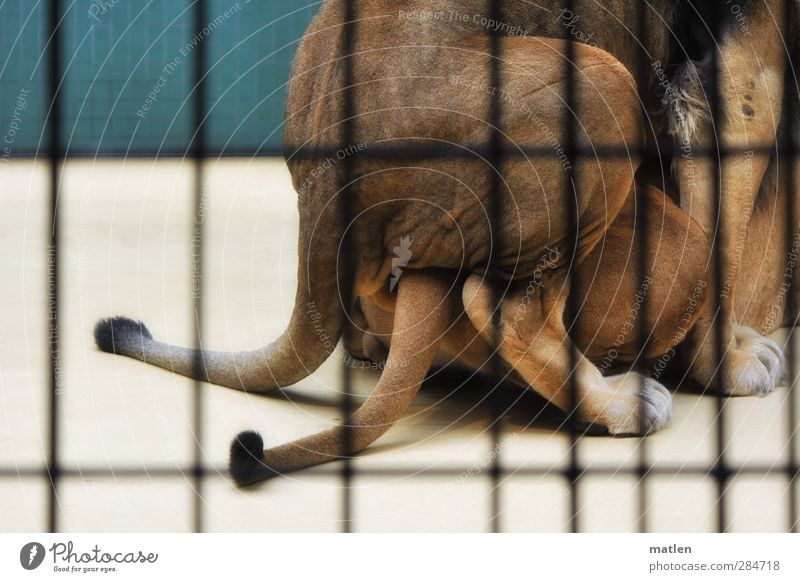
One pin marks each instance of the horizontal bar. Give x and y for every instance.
(461, 151)
(792, 471)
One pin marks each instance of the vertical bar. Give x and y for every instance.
(495, 217)
(790, 225)
(53, 266)
(198, 151)
(573, 473)
(642, 272)
(348, 43)
(720, 471)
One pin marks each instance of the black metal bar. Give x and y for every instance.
(416, 152)
(349, 31)
(790, 225)
(53, 259)
(721, 473)
(198, 146)
(480, 150)
(495, 220)
(790, 471)
(643, 270)
(570, 111)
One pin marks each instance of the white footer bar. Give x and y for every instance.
(389, 557)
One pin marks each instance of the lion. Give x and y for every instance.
(403, 159)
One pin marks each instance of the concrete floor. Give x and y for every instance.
(125, 250)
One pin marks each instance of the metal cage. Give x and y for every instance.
(54, 469)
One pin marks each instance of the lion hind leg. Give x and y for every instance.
(538, 347)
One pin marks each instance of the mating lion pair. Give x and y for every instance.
(417, 97)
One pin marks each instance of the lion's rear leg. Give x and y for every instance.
(533, 339)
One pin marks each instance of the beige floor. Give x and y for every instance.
(126, 229)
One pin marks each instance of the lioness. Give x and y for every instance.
(407, 95)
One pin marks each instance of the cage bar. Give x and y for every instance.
(643, 269)
(330, 470)
(349, 31)
(720, 473)
(414, 152)
(495, 218)
(570, 111)
(790, 225)
(197, 152)
(55, 157)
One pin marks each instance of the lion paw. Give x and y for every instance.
(754, 367)
(630, 404)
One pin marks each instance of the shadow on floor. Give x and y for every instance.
(457, 399)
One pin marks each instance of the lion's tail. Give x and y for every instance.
(421, 317)
(314, 330)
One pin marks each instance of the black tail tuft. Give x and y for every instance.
(116, 334)
(246, 464)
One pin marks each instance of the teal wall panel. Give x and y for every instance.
(23, 102)
(129, 73)
(249, 64)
